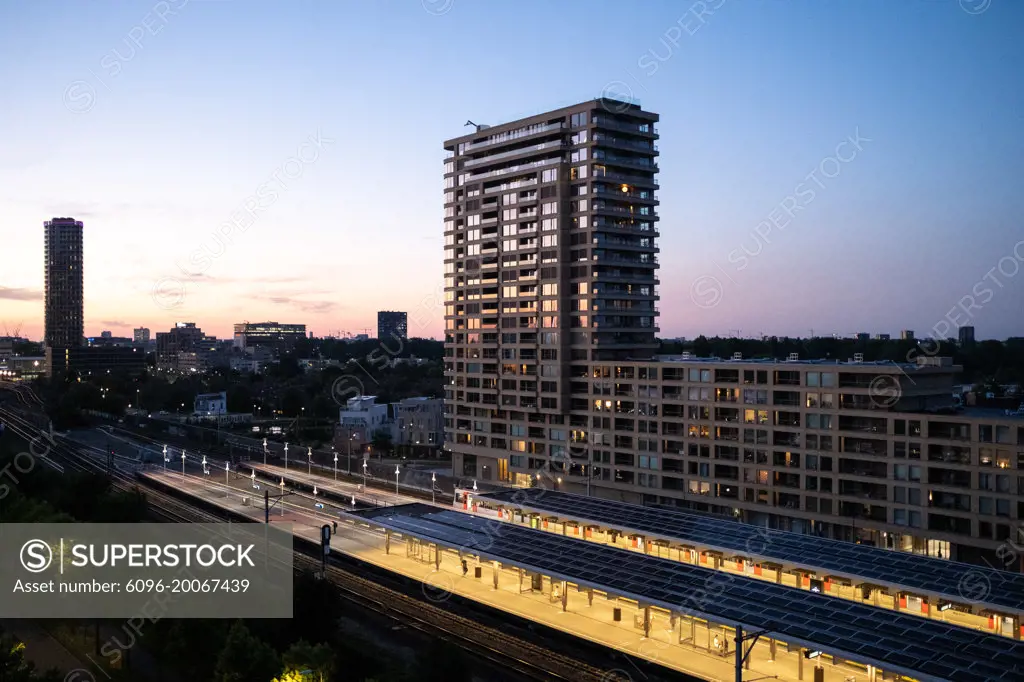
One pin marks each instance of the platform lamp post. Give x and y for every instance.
(166, 458)
(264, 452)
(364, 474)
(253, 479)
(286, 456)
(282, 496)
(183, 464)
(203, 464)
(335, 462)
(353, 501)
(396, 479)
(309, 454)
(433, 487)
(315, 493)
(227, 469)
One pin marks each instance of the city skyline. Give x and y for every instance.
(824, 166)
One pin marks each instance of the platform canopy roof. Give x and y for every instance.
(920, 648)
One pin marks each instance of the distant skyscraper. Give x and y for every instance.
(391, 324)
(65, 291)
(907, 335)
(141, 335)
(966, 336)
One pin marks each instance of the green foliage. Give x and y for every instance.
(304, 656)
(245, 658)
(14, 667)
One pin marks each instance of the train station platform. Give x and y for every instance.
(970, 596)
(671, 610)
(679, 616)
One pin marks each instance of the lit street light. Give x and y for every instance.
(255, 486)
(433, 487)
(474, 485)
(353, 501)
(348, 461)
(335, 463)
(286, 456)
(364, 474)
(282, 496)
(227, 468)
(264, 452)
(166, 458)
(183, 464)
(206, 470)
(396, 479)
(310, 455)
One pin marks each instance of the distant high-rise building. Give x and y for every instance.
(863, 336)
(391, 324)
(106, 335)
(141, 335)
(966, 336)
(64, 284)
(269, 335)
(183, 347)
(907, 335)
(882, 337)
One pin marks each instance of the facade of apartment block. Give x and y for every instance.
(550, 274)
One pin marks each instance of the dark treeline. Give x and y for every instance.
(997, 362)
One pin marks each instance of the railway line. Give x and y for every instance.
(383, 595)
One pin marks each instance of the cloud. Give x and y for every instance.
(16, 294)
(304, 306)
(115, 323)
(202, 277)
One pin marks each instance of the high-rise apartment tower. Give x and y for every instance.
(64, 288)
(550, 263)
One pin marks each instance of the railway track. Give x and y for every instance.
(498, 648)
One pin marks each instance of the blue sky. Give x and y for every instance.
(155, 122)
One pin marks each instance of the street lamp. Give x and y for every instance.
(183, 464)
(433, 487)
(253, 478)
(396, 479)
(474, 485)
(315, 493)
(310, 455)
(264, 452)
(348, 461)
(353, 501)
(286, 456)
(227, 468)
(166, 458)
(206, 470)
(335, 463)
(364, 474)
(282, 496)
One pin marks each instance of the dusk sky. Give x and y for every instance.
(154, 130)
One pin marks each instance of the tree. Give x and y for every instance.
(381, 442)
(14, 667)
(304, 656)
(245, 658)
